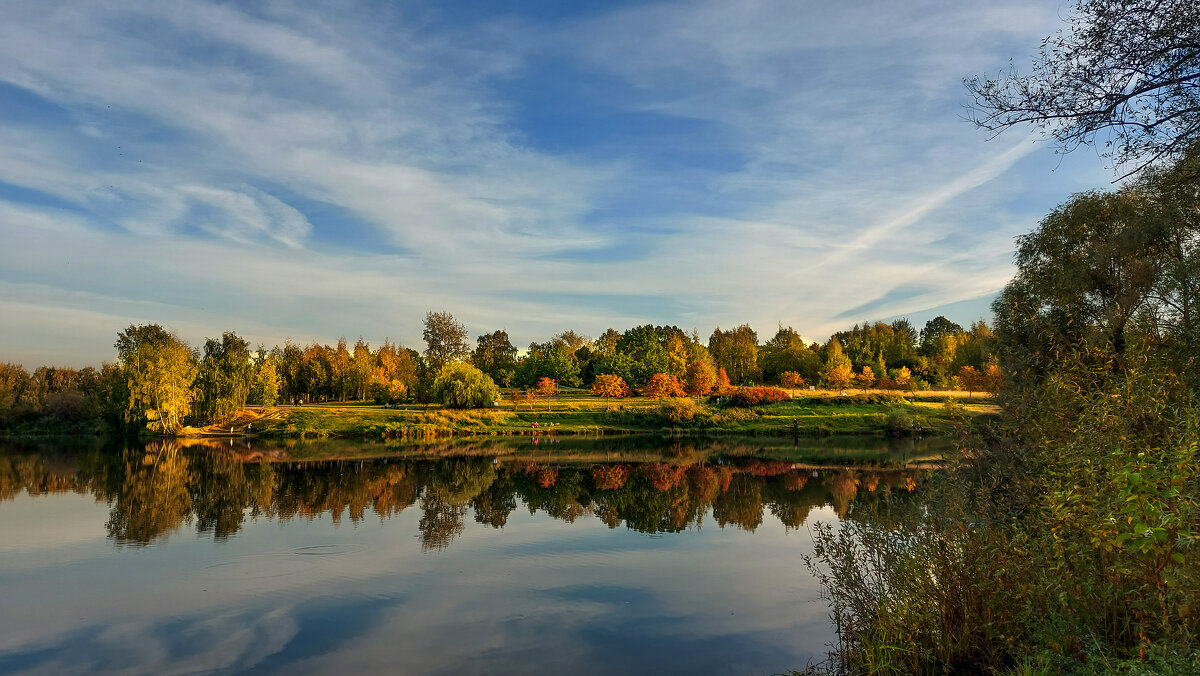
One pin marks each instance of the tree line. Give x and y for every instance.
(159, 381)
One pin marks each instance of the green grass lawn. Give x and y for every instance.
(579, 412)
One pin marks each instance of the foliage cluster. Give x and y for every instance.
(757, 396)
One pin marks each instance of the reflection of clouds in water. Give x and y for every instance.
(228, 642)
(548, 592)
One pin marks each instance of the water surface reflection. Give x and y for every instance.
(164, 558)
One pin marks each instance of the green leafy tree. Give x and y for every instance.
(616, 363)
(445, 339)
(461, 385)
(736, 351)
(935, 332)
(645, 348)
(787, 351)
(495, 355)
(224, 378)
(555, 361)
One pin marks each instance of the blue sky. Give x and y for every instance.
(312, 170)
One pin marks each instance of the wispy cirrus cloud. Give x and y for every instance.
(342, 168)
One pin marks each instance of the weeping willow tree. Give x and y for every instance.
(460, 385)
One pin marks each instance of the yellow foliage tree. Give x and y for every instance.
(839, 377)
(865, 379)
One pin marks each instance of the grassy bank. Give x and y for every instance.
(577, 412)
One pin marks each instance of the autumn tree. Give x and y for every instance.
(678, 353)
(341, 373)
(159, 369)
(445, 339)
(993, 378)
(661, 386)
(791, 380)
(15, 387)
(722, 385)
(609, 386)
(839, 377)
(546, 387)
(838, 372)
(904, 378)
(606, 344)
(362, 363)
(970, 379)
(865, 378)
(264, 384)
(699, 379)
(394, 373)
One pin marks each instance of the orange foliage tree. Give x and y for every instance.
(970, 379)
(546, 387)
(661, 386)
(791, 380)
(698, 380)
(610, 385)
(904, 378)
(722, 386)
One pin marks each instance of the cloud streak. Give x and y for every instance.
(340, 170)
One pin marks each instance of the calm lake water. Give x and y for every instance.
(579, 556)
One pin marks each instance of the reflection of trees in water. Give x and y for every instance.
(441, 521)
(742, 504)
(449, 486)
(155, 490)
(155, 497)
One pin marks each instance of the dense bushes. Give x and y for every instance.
(1069, 545)
(756, 396)
(852, 400)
